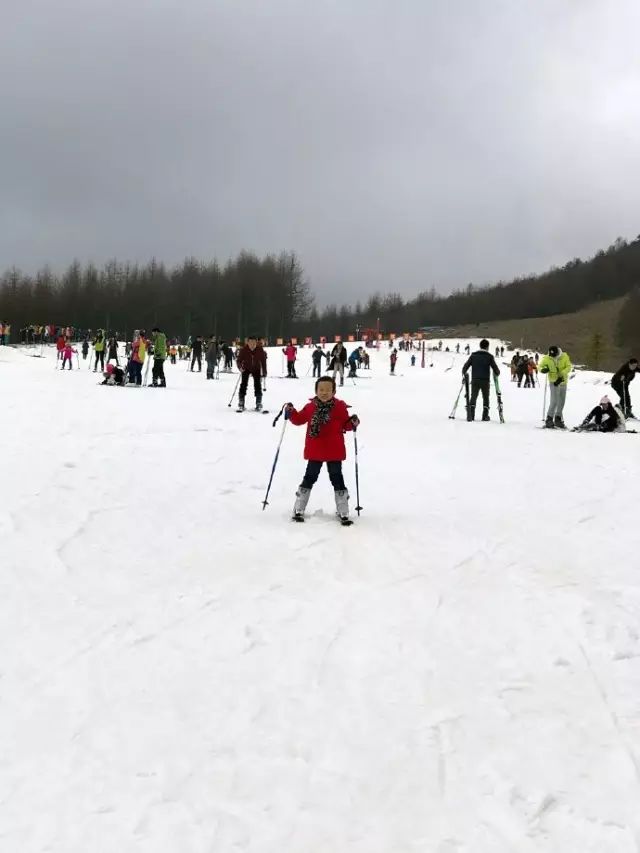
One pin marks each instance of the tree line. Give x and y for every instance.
(271, 296)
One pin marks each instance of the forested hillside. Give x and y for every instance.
(271, 296)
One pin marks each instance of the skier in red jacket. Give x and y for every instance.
(252, 362)
(328, 419)
(291, 353)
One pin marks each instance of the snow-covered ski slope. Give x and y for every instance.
(181, 672)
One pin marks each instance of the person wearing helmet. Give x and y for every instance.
(557, 367)
(605, 417)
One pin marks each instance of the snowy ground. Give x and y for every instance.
(180, 672)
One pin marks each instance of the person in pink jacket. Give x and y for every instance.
(67, 355)
(290, 354)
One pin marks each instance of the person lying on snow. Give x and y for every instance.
(328, 419)
(605, 417)
(113, 375)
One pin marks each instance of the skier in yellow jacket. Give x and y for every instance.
(557, 367)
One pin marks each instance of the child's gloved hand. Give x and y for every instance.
(544, 370)
(355, 420)
(558, 382)
(288, 408)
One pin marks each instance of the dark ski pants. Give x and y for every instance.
(157, 374)
(135, 372)
(99, 358)
(313, 472)
(622, 390)
(65, 360)
(257, 386)
(317, 367)
(477, 386)
(291, 369)
(197, 358)
(211, 369)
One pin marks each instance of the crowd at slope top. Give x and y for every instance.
(556, 366)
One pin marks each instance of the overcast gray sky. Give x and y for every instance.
(394, 144)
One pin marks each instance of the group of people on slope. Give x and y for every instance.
(141, 348)
(524, 369)
(556, 366)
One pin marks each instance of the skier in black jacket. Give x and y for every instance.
(481, 363)
(620, 382)
(316, 357)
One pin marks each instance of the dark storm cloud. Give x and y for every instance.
(393, 145)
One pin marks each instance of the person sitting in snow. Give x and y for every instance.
(605, 417)
(113, 375)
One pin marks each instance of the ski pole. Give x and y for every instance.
(355, 445)
(455, 405)
(265, 502)
(264, 384)
(234, 391)
(544, 400)
(146, 371)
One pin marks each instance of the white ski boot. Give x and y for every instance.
(302, 499)
(342, 506)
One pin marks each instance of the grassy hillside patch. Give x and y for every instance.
(575, 333)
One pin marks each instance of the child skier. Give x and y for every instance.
(413, 361)
(85, 349)
(328, 419)
(67, 355)
(605, 417)
(113, 375)
(393, 359)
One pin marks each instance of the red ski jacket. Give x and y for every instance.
(328, 446)
(252, 361)
(290, 352)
